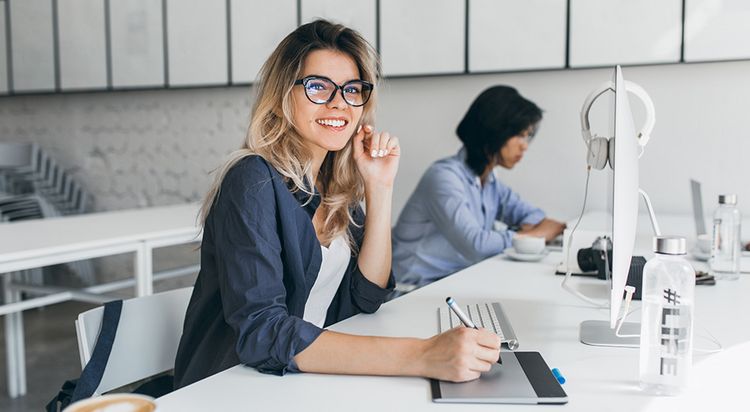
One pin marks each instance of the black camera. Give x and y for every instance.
(597, 258)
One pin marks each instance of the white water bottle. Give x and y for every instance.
(667, 318)
(725, 245)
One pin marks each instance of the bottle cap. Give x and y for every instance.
(730, 199)
(670, 245)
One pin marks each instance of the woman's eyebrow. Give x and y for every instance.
(342, 83)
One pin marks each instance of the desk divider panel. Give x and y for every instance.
(359, 15)
(83, 56)
(256, 30)
(422, 36)
(137, 43)
(197, 42)
(32, 45)
(610, 32)
(511, 35)
(717, 30)
(3, 50)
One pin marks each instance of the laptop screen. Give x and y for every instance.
(700, 222)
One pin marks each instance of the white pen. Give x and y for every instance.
(464, 319)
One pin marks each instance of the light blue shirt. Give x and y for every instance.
(448, 222)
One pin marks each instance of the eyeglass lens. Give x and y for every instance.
(320, 90)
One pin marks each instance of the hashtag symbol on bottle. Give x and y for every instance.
(671, 296)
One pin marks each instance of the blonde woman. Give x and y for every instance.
(286, 248)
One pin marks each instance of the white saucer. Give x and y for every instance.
(525, 257)
(700, 255)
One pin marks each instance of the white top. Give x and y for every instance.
(332, 268)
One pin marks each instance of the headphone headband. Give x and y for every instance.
(644, 135)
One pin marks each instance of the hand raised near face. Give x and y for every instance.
(377, 155)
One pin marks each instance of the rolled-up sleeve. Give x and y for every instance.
(445, 201)
(250, 272)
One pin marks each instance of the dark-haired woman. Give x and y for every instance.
(448, 222)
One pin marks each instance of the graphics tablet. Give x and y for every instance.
(524, 377)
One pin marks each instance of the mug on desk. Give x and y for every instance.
(119, 402)
(529, 245)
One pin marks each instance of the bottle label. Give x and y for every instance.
(673, 336)
(716, 237)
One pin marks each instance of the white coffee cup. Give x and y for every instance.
(703, 242)
(529, 245)
(117, 402)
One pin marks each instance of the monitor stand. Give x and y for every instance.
(598, 333)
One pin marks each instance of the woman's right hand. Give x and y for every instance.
(460, 354)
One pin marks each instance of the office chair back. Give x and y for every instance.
(14, 155)
(146, 341)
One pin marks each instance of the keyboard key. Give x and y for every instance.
(473, 313)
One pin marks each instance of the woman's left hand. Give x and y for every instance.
(377, 156)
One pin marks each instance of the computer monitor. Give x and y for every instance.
(624, 161)
(624, 149)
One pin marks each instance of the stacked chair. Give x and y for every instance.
(34, 186)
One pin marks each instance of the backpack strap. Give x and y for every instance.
(94, 370)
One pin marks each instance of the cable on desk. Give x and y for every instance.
(568, 271)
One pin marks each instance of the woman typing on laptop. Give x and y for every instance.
(286, 248)
(448, 222)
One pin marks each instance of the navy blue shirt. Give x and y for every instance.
(260, 258)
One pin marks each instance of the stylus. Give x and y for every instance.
(464, 319)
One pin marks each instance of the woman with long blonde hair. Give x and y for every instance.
(287, 249)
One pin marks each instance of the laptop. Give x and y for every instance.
(523, 378)
(700, 221)
(698, 216)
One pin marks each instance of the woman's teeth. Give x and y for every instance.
(331, 122)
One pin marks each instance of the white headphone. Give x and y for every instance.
(599, 152)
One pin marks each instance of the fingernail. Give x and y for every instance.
(359, 128)
(374, 153)
(381, 153)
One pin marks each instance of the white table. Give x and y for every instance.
(37, 243)
(545, 319)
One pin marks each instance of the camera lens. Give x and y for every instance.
(586, 260)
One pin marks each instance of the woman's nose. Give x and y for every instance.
(338, 101)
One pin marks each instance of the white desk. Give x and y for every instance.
(37, 243)
(545, 319)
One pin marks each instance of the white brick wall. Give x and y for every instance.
(133, 149)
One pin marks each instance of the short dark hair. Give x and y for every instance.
(495, 116)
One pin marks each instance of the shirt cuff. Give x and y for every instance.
(304, 337)
(370, 296)
(533, 218)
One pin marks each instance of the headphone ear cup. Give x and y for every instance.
(598, 152)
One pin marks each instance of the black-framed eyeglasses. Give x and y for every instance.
(322, 90)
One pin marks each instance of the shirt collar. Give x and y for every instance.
(469, 174)
(309, 202)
